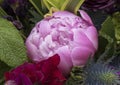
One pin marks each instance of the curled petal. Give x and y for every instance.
(85, 16)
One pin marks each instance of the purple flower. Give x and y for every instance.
(15, 7)
(106, 5)
(72, 37)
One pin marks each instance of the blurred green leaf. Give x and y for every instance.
(12, 49)
(69, 5)
(108, 28)
(72, 5)
(37, 5)
(116, 22)
(107, 33)
(2, 12)
(54, 3)
(36, 16)
(3, 68)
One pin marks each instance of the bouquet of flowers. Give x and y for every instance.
(59, 42)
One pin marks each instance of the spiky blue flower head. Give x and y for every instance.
(101, 74)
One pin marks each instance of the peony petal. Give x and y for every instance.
(80, 55)
(63, 14)
(82, 40)
(32, 51)
(35, 38)
(85, 16)
(65, 65)
(10, 82)
(43, 28)
(92, 34)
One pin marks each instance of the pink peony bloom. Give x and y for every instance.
(72, 37)
(41, 73)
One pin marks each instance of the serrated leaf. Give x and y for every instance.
(12, 49)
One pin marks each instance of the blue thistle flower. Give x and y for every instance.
(100, 74)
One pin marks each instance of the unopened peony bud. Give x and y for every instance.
(72, 37)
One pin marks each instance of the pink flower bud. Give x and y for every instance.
(72, 37)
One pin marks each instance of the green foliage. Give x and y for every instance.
(37, 5)
(54, 3)
(12, 49)
(76, 77)
(73, 5)
(69, 5)
(107, 39)
(116, 22)
(108, 28)
(2, 12)
(3, 68)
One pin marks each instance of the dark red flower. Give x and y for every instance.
(41, 73)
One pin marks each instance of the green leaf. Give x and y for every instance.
(54, 3)
(69, 5)
(3, 68)
(76, 76)
(107, 35)
(73, 5)
(2, 12)
(116, 22)
(108, 28)
(12, 49)
(36, 16)
(37, 5)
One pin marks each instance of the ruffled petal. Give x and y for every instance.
(85, 16)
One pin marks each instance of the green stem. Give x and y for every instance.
(69, 5)
(72, 5)
(33, 3)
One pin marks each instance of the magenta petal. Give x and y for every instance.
(82, 39)
(55, 59)
(63, 14)
(92, 34)
(43, 28)
(85, 16)
(32, 51)
(22, 79)
(65, 60)
(80, 55)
